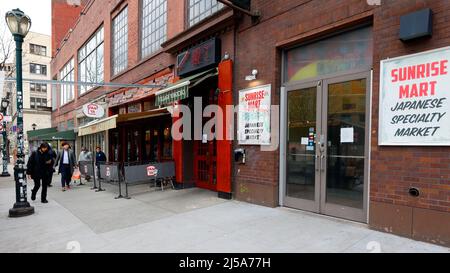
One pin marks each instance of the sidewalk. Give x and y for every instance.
(191, 220)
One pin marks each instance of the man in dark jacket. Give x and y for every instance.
(40, 168)
(67, 162)
(100, 157)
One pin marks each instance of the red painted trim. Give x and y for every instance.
(177, 148)
(224, 147)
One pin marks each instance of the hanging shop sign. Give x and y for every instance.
(179, 92)
(93, 110)
(254, 116)
(415, 100)
(203, 56)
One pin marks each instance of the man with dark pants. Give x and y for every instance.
(40, 168)
(100, 157)
(66, 161)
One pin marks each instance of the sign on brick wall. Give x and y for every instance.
(254, 116)
(415, 100)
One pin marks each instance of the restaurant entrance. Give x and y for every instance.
(205, 150)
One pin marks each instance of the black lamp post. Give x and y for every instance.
(4, 106)
(19, 24)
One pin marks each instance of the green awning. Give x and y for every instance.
(63, 135)
(36, 133)
(180, 90)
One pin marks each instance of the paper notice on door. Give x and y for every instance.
(304, 141)
(347, 135)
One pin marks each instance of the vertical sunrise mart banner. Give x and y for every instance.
(415, 100)
(254, 115)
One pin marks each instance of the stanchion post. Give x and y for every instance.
(93, 175)
(99, 181)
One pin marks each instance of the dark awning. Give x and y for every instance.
(36, 133)
(63, 135)
(180, 90)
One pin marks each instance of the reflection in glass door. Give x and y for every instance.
(301, 154)
(326, 147)
(345, 127)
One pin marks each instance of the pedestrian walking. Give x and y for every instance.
(85, 155)
(40, 169)
(66, 161)
(100, 157)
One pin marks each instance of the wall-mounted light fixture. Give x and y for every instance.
(252, 77)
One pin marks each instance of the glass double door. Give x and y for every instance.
(327, 147)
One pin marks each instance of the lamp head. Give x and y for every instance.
(18, 22)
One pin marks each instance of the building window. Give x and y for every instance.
(67, 74)
(38, 50)
(200, 9)
(120, 41)
(37, 102)
(38, 87)
(90, 58)
(38, 69)
(154, 21)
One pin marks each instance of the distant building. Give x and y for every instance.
(37, 96)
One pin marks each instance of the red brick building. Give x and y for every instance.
(318, 60)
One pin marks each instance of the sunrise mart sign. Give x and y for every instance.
(415, 100)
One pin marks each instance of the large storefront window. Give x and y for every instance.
(154, 26)
(90, 58)
(200, 9)
(341, 53)
(67, 74)
(120, 41)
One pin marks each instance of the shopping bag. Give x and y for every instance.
(76, 174)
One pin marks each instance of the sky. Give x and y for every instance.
(38, 10)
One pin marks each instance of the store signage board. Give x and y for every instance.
(414, 107)
(254, 116)
(201, 57)
(152, 171)
(93, 110)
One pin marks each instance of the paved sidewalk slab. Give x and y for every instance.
(190, 220)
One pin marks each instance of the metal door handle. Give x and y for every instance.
(318, 167)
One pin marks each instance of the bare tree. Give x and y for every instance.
(7, 49)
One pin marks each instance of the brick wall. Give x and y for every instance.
(396, 169)
(64, 17)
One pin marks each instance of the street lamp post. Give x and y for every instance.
(19, 24)
(4, 106)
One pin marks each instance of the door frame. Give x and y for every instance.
(308, 205)
(322, 85)
(334, 209)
